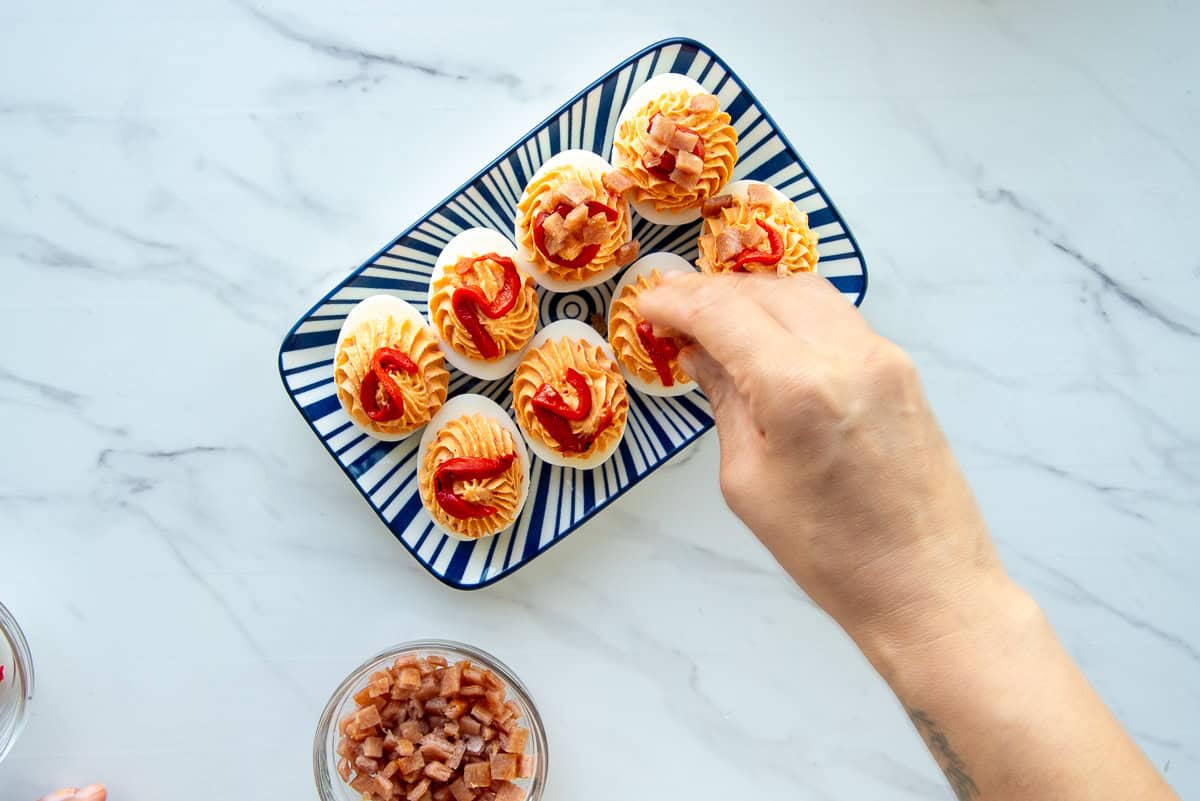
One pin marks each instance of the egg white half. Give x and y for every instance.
(378, 306)
(474, 242)
(656, 87)
(462, 406)
(665, 263)
(574, 329)
(584, 160)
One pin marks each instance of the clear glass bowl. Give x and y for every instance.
(16, 691)
(330, 786)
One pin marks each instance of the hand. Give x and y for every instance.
(829, 451)
(93, 792)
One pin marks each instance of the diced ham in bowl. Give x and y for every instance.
(431, 721)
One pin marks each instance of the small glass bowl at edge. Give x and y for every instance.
(330, 786)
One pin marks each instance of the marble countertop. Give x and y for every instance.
(179, 181)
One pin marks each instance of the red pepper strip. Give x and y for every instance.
(466, 468)
(589, 251)
(547, 398)
(772, 256)
(666, 165)
(554, 414)
(661, 351)
(384, 361)
(469, 300)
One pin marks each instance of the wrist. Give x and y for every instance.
(977, 624)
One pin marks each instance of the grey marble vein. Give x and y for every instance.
(1073, 590)
(364, 58)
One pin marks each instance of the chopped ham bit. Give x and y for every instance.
(510, 792)
(451, 681)
(438, 771)
(662, 129)
(703, 103)
(429, 688)
(618, 182)
(729, 244)
(460, 751)
(753, 237)
(713, 206)
(412, 764)
(434, 747)
(416, 710)
(457, 708)
(689, 163)
(478, 774)
(504, 766)
(684, 140)
(481, 713)
(460, 792)
(577, 219)
(556, 233)
(410, 678)
(685, 179)
(392, 713)
(596, 230)
(368, 717)
(379, 686)
(573, 193)
(760, 195)
(426, 730)
(514, 743)
(418, 790)
(655, 151)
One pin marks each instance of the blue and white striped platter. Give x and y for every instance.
(560, 499)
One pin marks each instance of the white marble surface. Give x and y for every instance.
(179, 180)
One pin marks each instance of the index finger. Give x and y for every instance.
(715, 311)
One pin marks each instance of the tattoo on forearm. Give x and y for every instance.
(947, 758)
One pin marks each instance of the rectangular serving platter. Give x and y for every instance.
(560, 499)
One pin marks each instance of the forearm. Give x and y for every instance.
(1003, 708)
